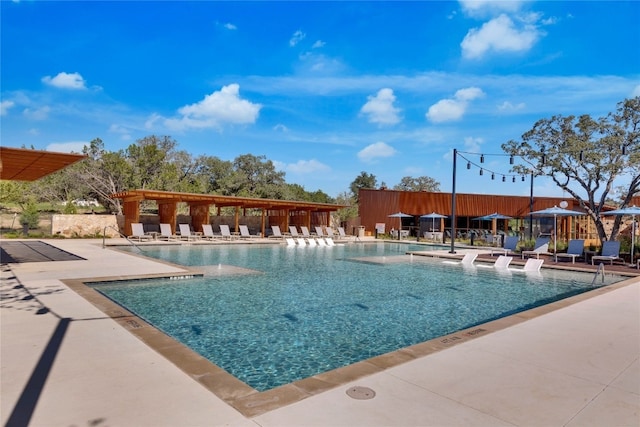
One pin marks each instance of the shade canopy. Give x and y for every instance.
(492, 216)
(19, 164)
(400, 215)
(555, 212)
(433, 215)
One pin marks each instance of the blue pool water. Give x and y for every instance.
(294, 312)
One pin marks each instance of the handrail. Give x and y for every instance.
(104, 236)
(600, 271)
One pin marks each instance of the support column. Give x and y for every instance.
(131, 210)
(168, 213)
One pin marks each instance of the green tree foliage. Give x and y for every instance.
(364, 180)
(421, 183)
(585, 157)
(351, 211)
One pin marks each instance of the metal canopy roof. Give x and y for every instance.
(19, 164)
(222, 201)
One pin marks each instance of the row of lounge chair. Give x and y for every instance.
(319, 241)
(139, 234)
(502, 262)
(575, 249)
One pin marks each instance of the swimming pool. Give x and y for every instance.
(286, 313)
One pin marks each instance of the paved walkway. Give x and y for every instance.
(64, 363)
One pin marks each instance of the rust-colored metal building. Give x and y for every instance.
(376, 205)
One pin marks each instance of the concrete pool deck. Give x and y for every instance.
(64, 362)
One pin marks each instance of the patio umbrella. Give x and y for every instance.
(492, 216)
(433, 217)
(400, 215)
(629, 210)
(555, 212)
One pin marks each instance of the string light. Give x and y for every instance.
(511, 160)
(581, 155)
(480, 171)
(503, 178)
(468, 165)
(493, 176)
(481, 158)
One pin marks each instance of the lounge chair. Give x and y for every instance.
(225, 232)
(276, 232)
(186, 234)
(320, 241)
(510, 243)
(293, 231)
(290, 241)
(502, 263)
(207, 232)
(574, 250)
(329, 241)
(312, 242)
(342, 234)
(319, 232)
(166, 233)
(610, 252)
(305, 232)
(541, 247)
(301, 241)
(467, 259)
(137, 232)
(244, 233)
(330, 232)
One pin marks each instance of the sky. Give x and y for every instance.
(325, 90)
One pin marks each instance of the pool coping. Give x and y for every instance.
(250, 402)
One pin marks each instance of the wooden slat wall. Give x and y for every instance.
(375, 206)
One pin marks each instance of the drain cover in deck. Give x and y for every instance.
(361, 393)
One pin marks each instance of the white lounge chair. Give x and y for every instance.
(330, 232)
(293, 231)
(610, 252)
(501, 263)
(305, 232)
(541, 247)
(225, 232)
(574, 250)
(207, 232)
(301, 241)
(320, 241)
(276, 232)
(166, 233)
(319, 232)
(329, 241)
(510, 243)
(186, 234)
(532, 265)
(244, 233)
(137, 232)
(342, 234)
(467, 259)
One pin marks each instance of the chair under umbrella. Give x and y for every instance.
(629, 210)
(433, 216)
(400, 215)
(555, 212)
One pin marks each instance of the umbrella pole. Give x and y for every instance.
(555, 238)
(633, 235)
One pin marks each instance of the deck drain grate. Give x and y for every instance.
(361, 393)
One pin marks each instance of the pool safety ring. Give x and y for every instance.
(361, 393)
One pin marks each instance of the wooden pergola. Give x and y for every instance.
(20, 164)
(278, 212)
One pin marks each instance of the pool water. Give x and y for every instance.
(295, 312)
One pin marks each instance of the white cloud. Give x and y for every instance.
(5, 106)
(374, 151)
(41, 113)
(499, 35)
(453, 108)
(297, 37)
(318, 44)
(479, 8)
(280, 128)
(635, 92)
(472, 144)
(306, 167)
(215, 110)
(67, 147)
(508, 107)
(380, 109)
(65, 81)
(230, 26)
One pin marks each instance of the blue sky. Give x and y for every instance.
(325, 90)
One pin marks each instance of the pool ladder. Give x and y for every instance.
(599, 271)
(104, 236)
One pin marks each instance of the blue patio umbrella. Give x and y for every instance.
(555, 212)
(629, 210)
(492, 216)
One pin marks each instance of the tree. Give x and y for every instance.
(421, 183)
(364, 180)
(585, 157)
(351, 211)
(254, 176)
